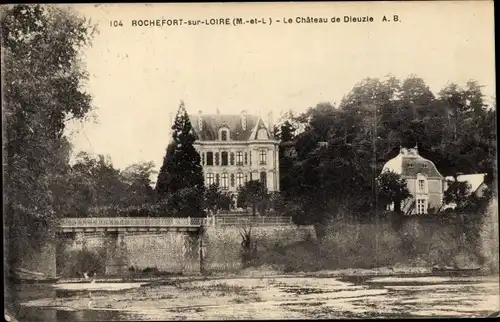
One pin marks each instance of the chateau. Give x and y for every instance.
(235, 149)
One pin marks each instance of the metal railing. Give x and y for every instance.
(250, 220)
(128, 222)
(93, 222)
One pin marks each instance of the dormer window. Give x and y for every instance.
(410, 165)
(224, 134)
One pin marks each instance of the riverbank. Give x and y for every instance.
(268, 272)
(273, 297)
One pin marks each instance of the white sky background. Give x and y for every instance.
(138, 75)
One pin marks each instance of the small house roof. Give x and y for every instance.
(474, 180)
(410, 163)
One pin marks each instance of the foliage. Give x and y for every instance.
(392, 189)
(42, 90)
(457, 193)
(181, 176)
(341, 150)
(76, 263)
(253, 194)
(216, 200)
(95, 184)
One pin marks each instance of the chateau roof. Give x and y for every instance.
(409, 163)
(211, 123)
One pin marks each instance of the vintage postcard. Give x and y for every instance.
(207, 161)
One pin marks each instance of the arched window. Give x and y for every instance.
(239, 179)
(225, 184)
(210, 179)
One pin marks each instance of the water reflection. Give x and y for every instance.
(34, 314)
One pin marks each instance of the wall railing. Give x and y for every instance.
(92, 222)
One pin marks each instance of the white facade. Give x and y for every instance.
(235, 149)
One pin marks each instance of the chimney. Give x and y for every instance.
(200, 121)
(270, 122)
(243, 118)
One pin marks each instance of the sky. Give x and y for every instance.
(138, 75)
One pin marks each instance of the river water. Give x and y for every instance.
(266, 298)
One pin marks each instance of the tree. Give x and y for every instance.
(252, 194)
(457, 192)
(182, 168)
(392, 189)
(216, 200)
(42, 91)
(138, 177)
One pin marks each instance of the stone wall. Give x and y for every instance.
(222, 245)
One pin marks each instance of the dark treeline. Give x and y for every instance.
(340, 150)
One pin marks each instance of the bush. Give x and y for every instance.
(77, 262)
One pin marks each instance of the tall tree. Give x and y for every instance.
(42, 90)
(182, 168)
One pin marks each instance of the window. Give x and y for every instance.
(216, 158)
(421, 185)
(239, 179)
(223, 135)
(210, 179)
(421, 206)
(232, 179)
(263, 178)
(210, 158)
(410, 165)
(263, 156)
(224, 182)
(246, 158)
(217, 181)
(239, 158)
(424, 165)
(224, 158)
(232, 158)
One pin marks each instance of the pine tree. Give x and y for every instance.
(181, 174)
